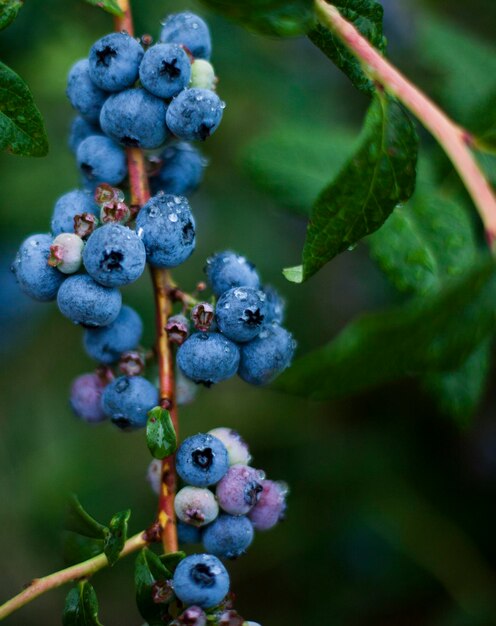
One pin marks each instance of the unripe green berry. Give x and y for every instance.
(66, 253)
(202, 75)
(196, 506)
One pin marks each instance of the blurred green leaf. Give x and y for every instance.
(375, 180)
(172, 560)
(283, 18)
(435, 333)
(160, 434)
(151, 579)
(81, 606)
(293, 164)
(117, 536)
(21, 125)
(367, 17)
(111, 6)
(77, 548)
(8, 11)
(81, 522)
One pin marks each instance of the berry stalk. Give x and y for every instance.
(162, 285)
(455, 140)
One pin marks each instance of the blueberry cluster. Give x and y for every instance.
(225, 499)
(242, 334)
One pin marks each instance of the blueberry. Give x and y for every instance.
(167, 228)
(202, 580)
(82, 92)
(165, 70)
(237, 448)
(188, 534)
(229, 536)
(195, 114)
(274, 305)
(208, 358)
(114, 61)
(264, 358)
(227, 269)
(185, 389)
(127, 401)
(80, 129)
(135, 118)
(86, 397)
(66, 253)
(196, 506)
(181, 171)
(68, 206)
(106, 344)
(101, 161)
(240, 489)
(190, 31)
(202, 460)
(86, 302)
(114, 255)
(271, 506)
(33, 274)
(240, 313)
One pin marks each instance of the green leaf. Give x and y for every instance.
(111, 6)
(81, 522)
(77, 548)
(117, 536)
(435, 333)
(151, 577)
(8, 11)
(367, 17)
(172, 560)
(283, 18)
(81, 606)
(21, 125)
(160, 434)
(378, 177)
(293, 163)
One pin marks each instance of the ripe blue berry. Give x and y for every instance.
(274, 305)
(240, 313)
(202, 460)
(33, 274)
(86, 302)
(201, 580)
(165, 70)
(227, 269)
(189, 30)
(167, 228)
(106, 344)
(264, 358)
(196, 506)
(188, 534)
(82, 92)
(80, 129)
(271, 506)
(240, 489)
(127, 401)
(237, 448)
(86, 398)
(195, 114)
(114, 255)
(101, 161)
(114, 61)
(135, 118)
(229, 536)
(181, 171)
(69, 205)
(208, 358)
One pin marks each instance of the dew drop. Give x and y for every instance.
(172, 217)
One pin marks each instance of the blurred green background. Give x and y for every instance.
(392, 509)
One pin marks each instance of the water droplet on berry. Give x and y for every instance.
(173, 217)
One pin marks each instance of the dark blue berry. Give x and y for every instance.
(86, 302)
(82, 92)
(240, 313)
(201, 580)
(80, 129)
(100, 160)
(208, 358)
(227, 269)
(69, 205)
(114, 61)
(195, 114)
(127, 401)
(106, 344)
(165, 70)
(189, 30)
(202, 460)
(181, 171)
(229, 536)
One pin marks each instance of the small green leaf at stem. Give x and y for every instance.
(172, 560)
(111, 6)
(117, 536)
(282, 18)
(21, 125)
(8, 11)
(153, 590)
(81, 606)
(81, 522)
(379, 177)
(160, 434)
(367, 17)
